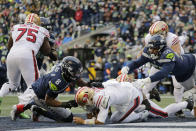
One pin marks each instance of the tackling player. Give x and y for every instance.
(168, 62)
(126, 98)
(44, 91)
(172, 41)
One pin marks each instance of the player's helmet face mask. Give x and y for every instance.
(71, 68)
(84, 97)
(155, 46)
(33, 19)
(159, 27)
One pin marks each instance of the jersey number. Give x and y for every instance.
(30, 34)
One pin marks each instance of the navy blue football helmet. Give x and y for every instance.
(157, 42)
(71, 68)
(156, 45)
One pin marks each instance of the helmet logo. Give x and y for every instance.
(85, 98)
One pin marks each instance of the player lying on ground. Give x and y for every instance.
(125, 98)
(44, 91)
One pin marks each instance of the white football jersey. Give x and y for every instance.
(116, 94)
(28, 37)
(171, 39)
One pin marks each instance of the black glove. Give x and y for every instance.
(96, 84)
(69, 104)
(147, 104)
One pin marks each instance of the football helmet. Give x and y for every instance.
(33, 18)
(71, 68)
(155, 45)
(45, 22)
(159, 27)
(84, 96)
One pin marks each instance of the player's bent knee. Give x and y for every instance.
(68, 119)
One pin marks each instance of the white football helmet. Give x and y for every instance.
(33, 18)
(84, 96)
(159, 27)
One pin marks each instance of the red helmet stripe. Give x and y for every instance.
(153, 26)
(32, 17)
(29, 18)
(78, 92)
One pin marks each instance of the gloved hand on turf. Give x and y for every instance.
(69, 104)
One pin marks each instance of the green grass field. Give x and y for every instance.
(9, 101)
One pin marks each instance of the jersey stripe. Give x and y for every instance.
(176, 40)
(158, 112)
(136, 104)
(100, 101)
(35, 66)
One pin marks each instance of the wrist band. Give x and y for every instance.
(89, 121)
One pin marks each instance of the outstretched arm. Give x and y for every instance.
(79, 120)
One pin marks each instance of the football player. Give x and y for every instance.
(126, 98)
(168, 62)
(172, 41)
(24, 43)
(44, 91)
(45, 22)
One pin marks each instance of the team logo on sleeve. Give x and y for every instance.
(170, 56)
(53, 86)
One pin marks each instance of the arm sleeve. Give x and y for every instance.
(103, 113)
(164, 72)
(137, 63)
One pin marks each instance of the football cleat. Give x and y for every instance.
(190, 103)
(35, 115)
(154, 94)
(180, 114)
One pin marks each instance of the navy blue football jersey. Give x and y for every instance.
(168, 62)
(51, 84)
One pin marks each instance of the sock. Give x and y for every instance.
(175, 107)
(20, 108)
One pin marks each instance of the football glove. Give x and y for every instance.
(69, 104)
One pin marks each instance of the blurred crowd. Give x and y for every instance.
(71, 19)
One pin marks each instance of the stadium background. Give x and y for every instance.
(103, 34)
